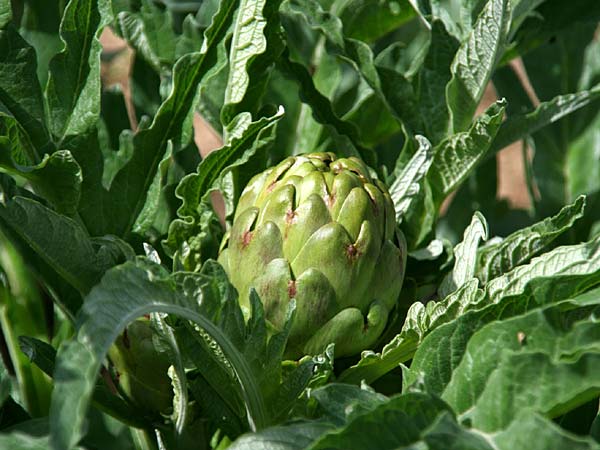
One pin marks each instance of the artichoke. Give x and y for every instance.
(142, 370)
(321, 230)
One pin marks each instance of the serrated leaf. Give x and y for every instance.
(518, 126)
(432, 79)
(248, 41)
(73, 89)
(496, 259)
(457, 156)
(257, 43)
(516, 365)
(570, 269)
(442, 350)
(475, 61)
(128, 191)
(194, 188)
(408, 182)
(465, 256)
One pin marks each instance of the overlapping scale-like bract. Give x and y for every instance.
(321, 230)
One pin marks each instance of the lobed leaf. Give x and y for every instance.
(562, 272)
(496, 259)
(194, 188)
(150, 33)
(407, 184)
(432, 79)
(475, 61)
(520, 125)
(457, 156)
(465, 256)
(73, 89)
(543, 361)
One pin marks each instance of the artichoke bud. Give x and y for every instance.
(142, 371)
(321, 230)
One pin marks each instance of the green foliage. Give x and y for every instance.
(107, 222)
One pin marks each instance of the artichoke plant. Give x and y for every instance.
(321, 230)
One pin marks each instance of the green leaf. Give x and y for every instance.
(21, 441)
(260, 57)
(150, 32)
(21, 312)
(73, 89)
(443, 349)
(344, 133)
(248, 41)
(283, 437)
(432, 80)
(475, 61)
(420, 321)
(407, 184)
(547, 21)
(57, 177)
(547, 434)
(368, 21)
(20, 92)
(340, 402)
(391, 87)
(125, 293)
(496, 259)
(399, 422)
(582, 169)
(5, 13)
(194, 188)
(516, 365)
(176, 372)
(465, 256)
(457, 156)
(43, 355)
(128, 191)
(551, 144)
(519, 126)
(562, 272)
(59, 241)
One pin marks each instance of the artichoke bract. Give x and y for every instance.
(321, 230)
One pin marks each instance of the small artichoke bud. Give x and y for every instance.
(141, 369)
